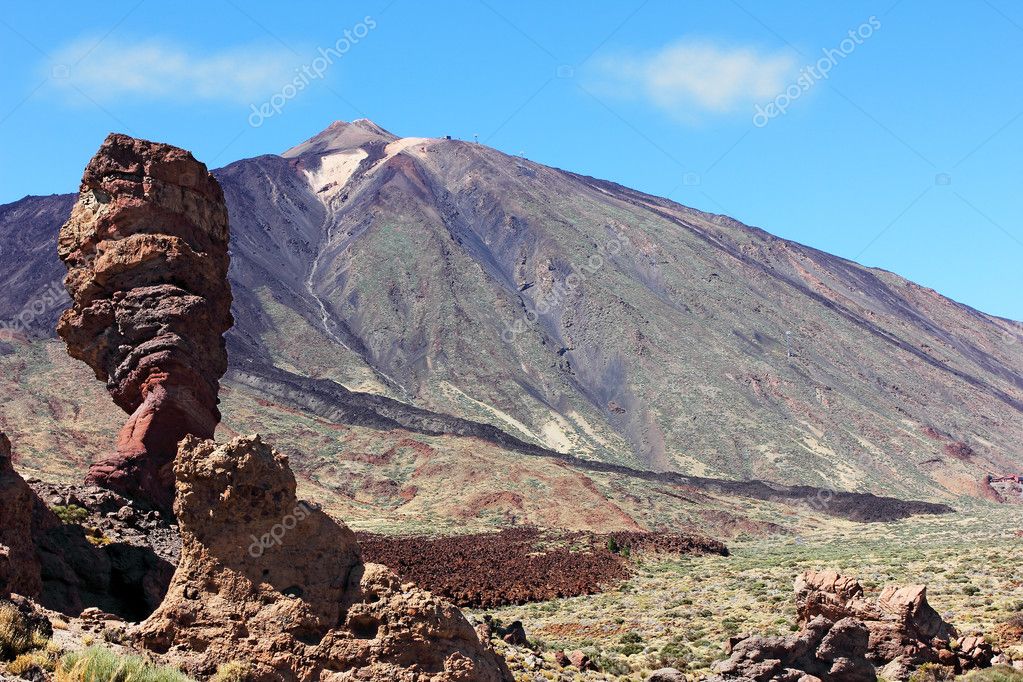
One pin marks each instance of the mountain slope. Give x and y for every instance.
(590, 319)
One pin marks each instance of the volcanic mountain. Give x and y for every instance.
(443, 287)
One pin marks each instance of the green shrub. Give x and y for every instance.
(70, 515)
(235, 671)
(932, 672)
(629, 649)
(675, 656)
(102, 665)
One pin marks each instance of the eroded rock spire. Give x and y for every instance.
(146, 249)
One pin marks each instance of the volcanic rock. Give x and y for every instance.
(666, 675)
(905, 631)
(275, 582)
(828, 594)
(581, 660)
(515, 634)
(908, 606)
(20, 571)
(822, 649)
(146, 248)
(56, 564)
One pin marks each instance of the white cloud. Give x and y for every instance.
(112, 69)
(691, 77)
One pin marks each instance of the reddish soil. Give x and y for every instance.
(520, 565)
(960, 451)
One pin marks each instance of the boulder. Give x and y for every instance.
(515, 634)
(821, 649)
(580, 660)
(908, 606)
(666, 675)
(904, 630)
(273, 581)
(974, 652)
(831, 595)
(146, 248)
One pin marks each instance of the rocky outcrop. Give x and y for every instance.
(20, 571)
(821, 650)
(847, 637)
(275, 582)
(146, 248)
(67, 568)
(905, 631)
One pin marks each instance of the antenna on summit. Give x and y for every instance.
(476, 138)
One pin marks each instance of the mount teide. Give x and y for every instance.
(579, 316)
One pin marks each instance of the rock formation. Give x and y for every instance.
(904, 630)
(275, 582)
(56, 564)
(821, 650)
(146, 248)
(845, 636)
(20, 571)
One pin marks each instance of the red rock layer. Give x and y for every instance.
(146, 249)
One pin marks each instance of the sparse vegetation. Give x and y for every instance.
(96, 664)
(677, 611)
(70, 515)
(997, 674)
(42, 659)
(235, 671)
(932, 672)
(17, 636)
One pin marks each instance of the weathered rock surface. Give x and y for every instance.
(822, 649)
(905, 631)
(20, 571)
(56, 564)
(277, 583)
(846, 636)
(146, 249)
(580, 660)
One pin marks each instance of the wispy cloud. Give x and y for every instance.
(691, 78)
(113, 69)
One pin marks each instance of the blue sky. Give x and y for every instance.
(901, 147)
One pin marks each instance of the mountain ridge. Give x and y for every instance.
(687, 318)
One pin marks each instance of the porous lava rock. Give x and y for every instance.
(146, 248)
(275, 582)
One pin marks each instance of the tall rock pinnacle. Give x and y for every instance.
(146, 249)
